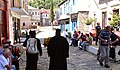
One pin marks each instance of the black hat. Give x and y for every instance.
(58, 30)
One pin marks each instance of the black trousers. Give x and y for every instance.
(112, 53)
(31, 61)
(16, 63)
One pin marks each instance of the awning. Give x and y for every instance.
(64, 17)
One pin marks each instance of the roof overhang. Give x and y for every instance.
(19, 11)
(64, 17)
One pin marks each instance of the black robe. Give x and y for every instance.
(31, 59)
(58, 51)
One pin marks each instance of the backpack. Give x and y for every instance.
(32, 46)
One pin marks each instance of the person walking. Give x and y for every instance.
(114, 39)
(104, 48)
(98, 29)
(58, 51)
(33, 47)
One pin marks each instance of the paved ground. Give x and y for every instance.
(78, 60)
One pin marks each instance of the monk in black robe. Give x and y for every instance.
(58, 51)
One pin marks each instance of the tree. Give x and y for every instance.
(44, 3)
(51, 12)
(115, 22)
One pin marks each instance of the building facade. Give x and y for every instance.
(35, 18)
(75, 13)
(44, 17)
(64, 18)
(16, 9)
(32, 20)
(108, 8)
(4, 23)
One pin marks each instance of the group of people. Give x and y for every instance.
(82, 40)
(58, 51)
(9, 56)
(108, 41)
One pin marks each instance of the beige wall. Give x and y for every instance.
(26, 20)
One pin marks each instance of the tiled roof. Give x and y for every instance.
(42, 10)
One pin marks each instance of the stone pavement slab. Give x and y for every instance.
(78, 60)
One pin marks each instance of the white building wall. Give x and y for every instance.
(109, 7)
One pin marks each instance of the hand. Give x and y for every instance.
(102, 40)
(40, 54)
(111, 43)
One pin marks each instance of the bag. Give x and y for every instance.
(32, 46)
(46, 41)
(119, 52)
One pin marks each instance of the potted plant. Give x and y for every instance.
(115, 22)
(89, 21)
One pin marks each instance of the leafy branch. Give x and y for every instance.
(115, 22)
(89, 21)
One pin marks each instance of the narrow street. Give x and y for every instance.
(78, 60)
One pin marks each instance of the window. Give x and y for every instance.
(64, 9)
(116, 11)
(29, 13)
(35, 13)
(60, 11)
(23, 24)
(32, 13)
(73, 2)
(39, 23)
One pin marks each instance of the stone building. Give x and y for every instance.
(4, 25)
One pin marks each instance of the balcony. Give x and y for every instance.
(19, 6)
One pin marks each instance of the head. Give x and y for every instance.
(112, 29)
(6, 45)
(8, 41)
(66, 30)
(58, 32)
(98, 23)
(108, 28)
(32, 34)
(87, 35)
(6, 53)
(76, 26)
(79, 32)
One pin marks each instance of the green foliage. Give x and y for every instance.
(115, 22)
(43, 3)
(89, 21)
(51, 12)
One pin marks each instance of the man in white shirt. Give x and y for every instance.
(66, 33)
(4, 60)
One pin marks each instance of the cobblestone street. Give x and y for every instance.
(78, 60)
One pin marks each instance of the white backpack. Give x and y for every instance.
(32, 46)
